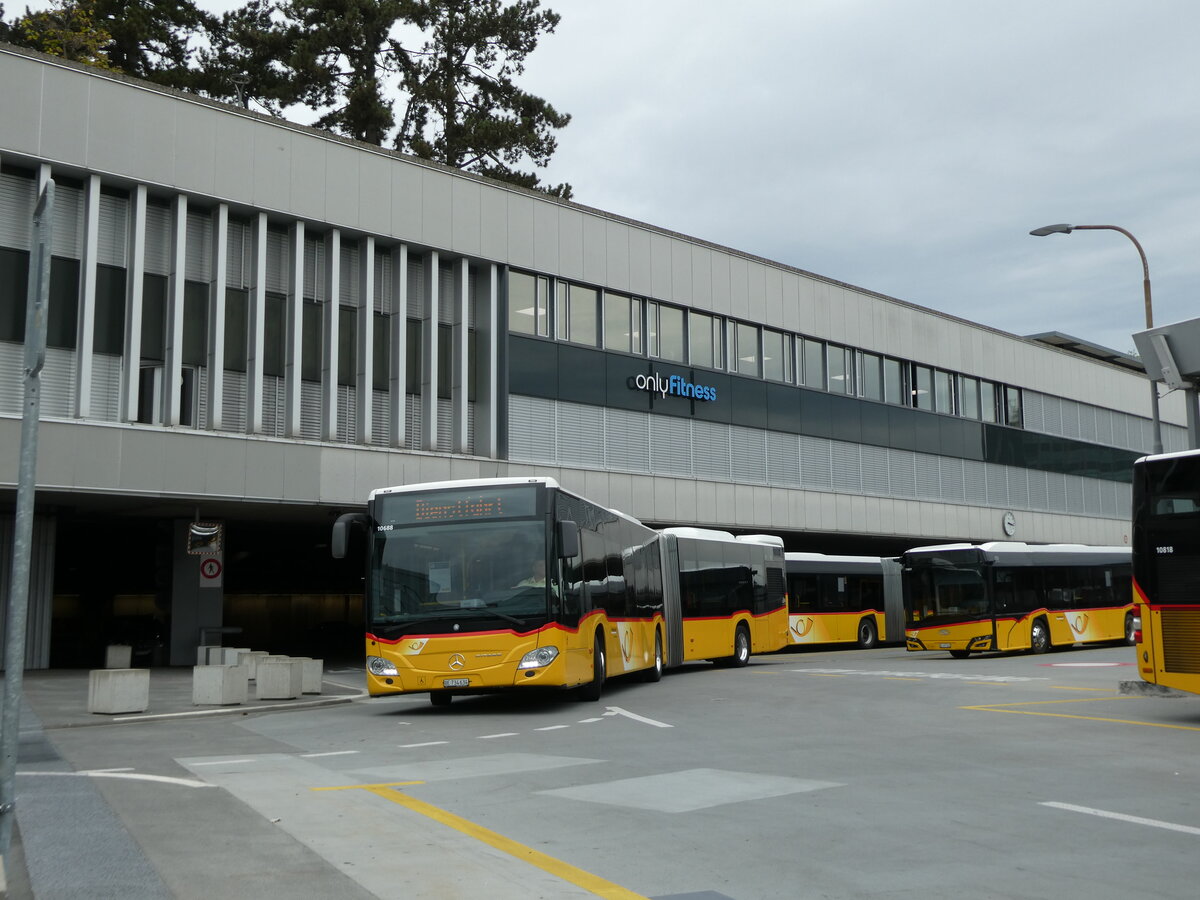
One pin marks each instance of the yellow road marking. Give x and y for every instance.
(567, 872)
(1004, 708)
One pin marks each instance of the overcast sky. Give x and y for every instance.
(903, 146)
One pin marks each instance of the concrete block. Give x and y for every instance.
(216, 656)
(250, 659)
(279, 678)
(118, 656)
(202, 653)
(231, 655)
(219, 685)
(112, 691)
(314, 670)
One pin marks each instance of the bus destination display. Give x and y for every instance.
(459, 506)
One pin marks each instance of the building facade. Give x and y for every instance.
(255, 323)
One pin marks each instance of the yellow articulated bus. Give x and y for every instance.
(844, 599)
(510, 583)
(1166, 569)
(1007, 595)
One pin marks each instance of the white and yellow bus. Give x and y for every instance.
(844, 599)
(1166, 569)
(510, 583)
(1007, 595)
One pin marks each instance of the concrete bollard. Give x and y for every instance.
(219, 685)
(279, 678)
(112, 691)
(230, 656)
(202, 653)
(314, 670)
(250, 659)
(118, 656)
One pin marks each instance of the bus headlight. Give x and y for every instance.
(377, 665)
(539, 658)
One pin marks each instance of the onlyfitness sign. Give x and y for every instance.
(674, 385)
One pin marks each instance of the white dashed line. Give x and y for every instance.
(331, 753)
(488, 737)
(426, 744)
(1121, 817)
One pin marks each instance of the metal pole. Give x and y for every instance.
(37, 297)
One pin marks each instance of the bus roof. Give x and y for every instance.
(1018, 552)
(820, 562)
(1177, 454)
(463, 483)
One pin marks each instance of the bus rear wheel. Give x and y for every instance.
(1039, 636)
(1130, 632)
(591, 691)
(867, 635)
(655, 672)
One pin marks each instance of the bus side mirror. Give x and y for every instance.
(341, 532)
(568, 539)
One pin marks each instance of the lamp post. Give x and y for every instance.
(1067, 229)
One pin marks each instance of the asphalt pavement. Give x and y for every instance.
(68, 841)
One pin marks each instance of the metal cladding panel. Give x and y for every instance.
(711, 450)
(1056, 492)
(975, 482)
(1018, 488)
(382, 301)
(381, 418)
(18, 197)
(783, 459)
(12, 390)
(929, 477)
(273, 400)
(953, 487)
(626, 440)
(350, 282)
(1087, 422)
(997, 484)
(412, 421)
(416, 282)
(347, 413)
(1034, 409)
(199, 246)
(873, 462)
(233, 402)
(68, 221)
(106, 388)
(815, 464)
(445, 424)
(531, 429)
(902, 473)
(58, 383)
(314, 266)
(310, 410)
(748, 455)
(114, 231)
(846, 467)
(1038, 491)
(580, 435)
(237, 264)
(278, 255)
(1074, 492)
(671, 446)
(158, 239)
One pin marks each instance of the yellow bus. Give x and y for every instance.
(1166, 569)
(509, 583)
(730, 594)
(844, 599)
(1007, 595)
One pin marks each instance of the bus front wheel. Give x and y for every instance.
(1039, 636)
(440, 698)
(867, 634)
(741, 647)
(960, 654)
(592, 690)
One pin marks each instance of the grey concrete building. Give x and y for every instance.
(255, 323)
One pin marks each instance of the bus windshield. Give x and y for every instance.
(942, 594)
(470, 576)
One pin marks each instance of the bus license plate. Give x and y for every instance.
(944, 646)
(455, 682)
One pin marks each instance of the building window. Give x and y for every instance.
(235, 329)
(968, 397)
(665, 326)
(704, 338)
(381, 356)
(777, 355)
(745, 354)
(893, 381)
(841, 369)
(812, 363)
(987, 401)
(347, 361)
(943, 393)
(195, 324)
(274, 335)
(310, 341)
(622, 323)
(922, 387)
(528, 304)
(575, 313)
(871, 376)
(109, 328)
(1012, 407)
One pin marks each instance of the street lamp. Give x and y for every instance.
(1067, 229)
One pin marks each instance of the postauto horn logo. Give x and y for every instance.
(675, 385)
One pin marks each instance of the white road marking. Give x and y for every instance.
(225, 762)
(330, 753)
(1121, 817)
(940, 676)
(552, 728)
(617, 711)
(426, 744)
(588, 721)
(488, 737)
(128, 776)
